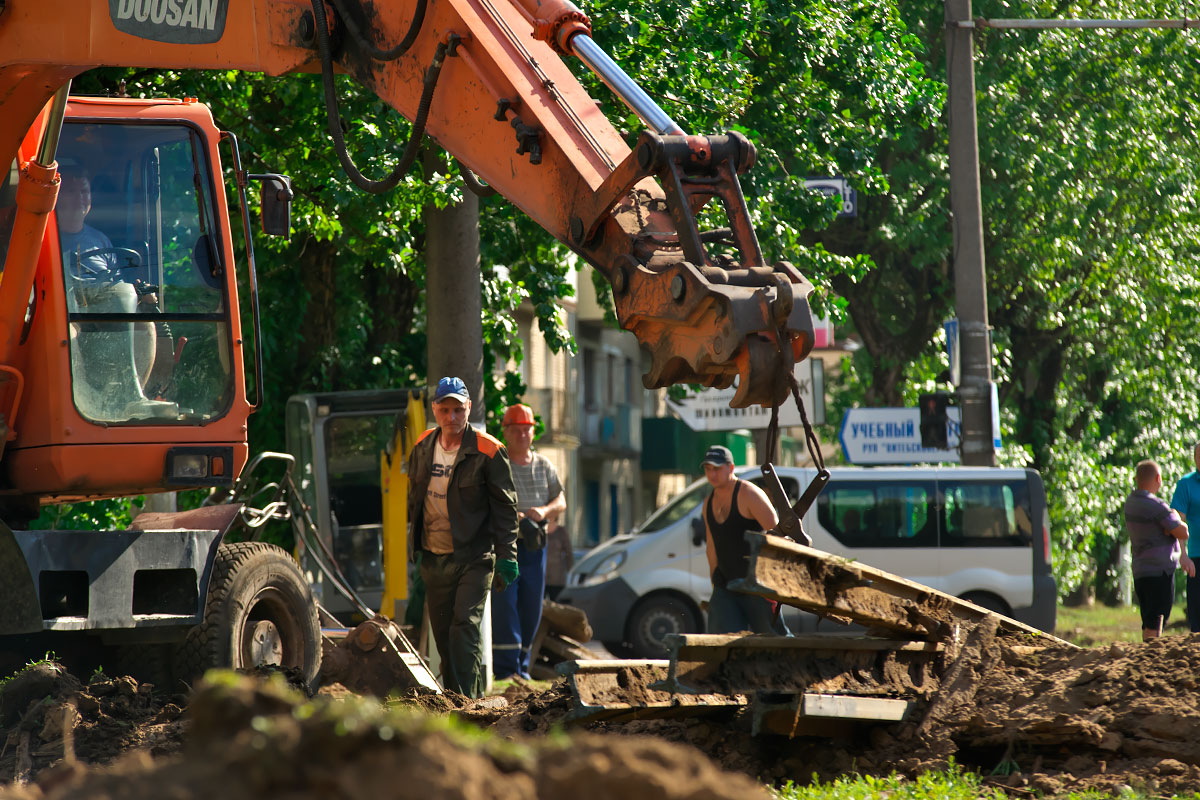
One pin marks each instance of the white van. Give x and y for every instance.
(977, 533)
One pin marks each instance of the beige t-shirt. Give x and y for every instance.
(438, 538)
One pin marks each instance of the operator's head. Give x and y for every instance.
(1149, 475)
(718, 465)
(1196, 454)
(518, 425)
(451, 405)
(74, 197)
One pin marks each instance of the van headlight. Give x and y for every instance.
(606, 570)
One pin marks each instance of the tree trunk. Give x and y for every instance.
(453, 295)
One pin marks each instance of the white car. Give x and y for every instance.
(977, 533)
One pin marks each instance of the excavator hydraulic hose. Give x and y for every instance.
(334, 120)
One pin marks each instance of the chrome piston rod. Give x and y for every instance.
(623, 86)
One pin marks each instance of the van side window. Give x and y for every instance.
(877, 514)
(985, 514)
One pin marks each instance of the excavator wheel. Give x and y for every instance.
(260, 612)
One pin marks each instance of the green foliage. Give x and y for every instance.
(95, 515)
(1091, 230)
(820, 88)
(951, 784)
(1089, 206)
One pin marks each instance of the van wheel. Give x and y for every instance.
(989, 601)
(653, 619)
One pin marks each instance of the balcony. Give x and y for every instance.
(559, 410)
(617, 428)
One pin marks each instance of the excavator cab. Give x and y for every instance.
(148, 328)
(134, 322)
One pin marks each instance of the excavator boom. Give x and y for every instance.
(487, 80)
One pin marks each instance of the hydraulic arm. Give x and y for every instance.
(486, 80)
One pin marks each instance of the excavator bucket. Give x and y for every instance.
(20, 611)
(376, 658)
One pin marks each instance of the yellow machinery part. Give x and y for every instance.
(393, 481)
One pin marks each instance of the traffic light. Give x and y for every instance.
(933, 420)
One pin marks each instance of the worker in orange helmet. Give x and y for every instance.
(517, 609)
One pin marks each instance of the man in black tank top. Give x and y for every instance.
(735, 507)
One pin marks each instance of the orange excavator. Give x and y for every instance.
(121, 344)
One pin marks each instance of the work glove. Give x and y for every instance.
(506, 574)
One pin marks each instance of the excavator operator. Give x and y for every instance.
(106, 350)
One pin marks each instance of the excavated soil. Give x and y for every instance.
(256, 739)
(102, 719)
(1045, 722)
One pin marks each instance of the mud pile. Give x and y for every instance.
(255, 739)
(46, 715)
(1033, 721)
(1065, 720)
(1051, 721)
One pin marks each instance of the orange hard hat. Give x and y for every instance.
(518, 415)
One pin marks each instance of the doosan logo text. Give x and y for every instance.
(179, 21)
(178, 13)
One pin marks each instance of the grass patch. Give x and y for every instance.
(1100, 625)
(950, 784)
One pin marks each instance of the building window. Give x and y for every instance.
(629, 381)
(611, 380)
(589, 377)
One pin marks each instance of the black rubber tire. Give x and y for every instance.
(653, 618)
(255, 587)
(989, 601)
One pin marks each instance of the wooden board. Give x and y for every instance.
(830, 585)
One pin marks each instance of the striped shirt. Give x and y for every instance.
(537, 482)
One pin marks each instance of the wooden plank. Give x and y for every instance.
(879, 709)
(813, 714)
(609, 664)
(815, 641)
(829, 585)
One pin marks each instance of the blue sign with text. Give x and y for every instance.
(893, 436)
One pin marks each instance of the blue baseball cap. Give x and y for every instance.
(451, 387)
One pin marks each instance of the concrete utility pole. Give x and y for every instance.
(970, 286)
(453, 293)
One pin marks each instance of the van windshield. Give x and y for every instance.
(676, 509)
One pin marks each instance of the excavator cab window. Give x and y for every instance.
(143, 274)
(352, 447)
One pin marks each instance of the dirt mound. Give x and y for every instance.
(1054, 720)
(47, 715)
(1048, 721)
(259, 739)
(1065, 720)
